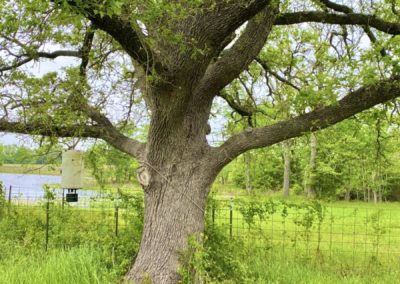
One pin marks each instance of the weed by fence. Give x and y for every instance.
(344, 236)
(31, 225)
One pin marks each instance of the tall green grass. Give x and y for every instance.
(78, 265)
(84, 246)
(225, 265)
(300, 272)
(222, 260)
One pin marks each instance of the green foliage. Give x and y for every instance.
(102, 8)
(13, 154)
(49, 193)
(220, 259)
(108, 165)
(22, 233)
(353, 159)
(215, 261)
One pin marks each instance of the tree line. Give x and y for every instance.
(355, 160)
(19, 154)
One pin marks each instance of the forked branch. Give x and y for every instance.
(119, 29)
(236, 59)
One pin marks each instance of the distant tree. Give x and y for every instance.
(18, 154)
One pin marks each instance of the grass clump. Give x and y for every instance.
(77, 265)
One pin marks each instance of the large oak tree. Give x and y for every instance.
(178, 56)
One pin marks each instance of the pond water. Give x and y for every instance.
(26, 186)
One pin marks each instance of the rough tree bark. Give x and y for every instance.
(174, 210)
(178, 165)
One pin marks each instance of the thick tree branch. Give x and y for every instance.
(347, 19)
(125, 34)
(46, 129)
(347, 10)
(112, 135)
(115, 138)
(236, 59)
(227, 16)
(103, 128)
(41, 54)
(109, 132)
(125, 144)
(86, 48)
(355, 102)
(121, 30)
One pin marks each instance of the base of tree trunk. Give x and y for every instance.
(170, 219)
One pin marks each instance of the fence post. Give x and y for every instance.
(9, 198)
(116, 220)
(9, 194)
(116, 215)
(230, 219)
(62, 201)
(47, 223)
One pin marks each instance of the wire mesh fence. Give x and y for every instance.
(347, 236)
(25, 195)
(48, 222)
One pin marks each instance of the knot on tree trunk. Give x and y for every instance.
(143, 176)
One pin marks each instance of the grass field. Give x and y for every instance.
(87, 265)
(30, 169)
(351, 235)
(267, 240)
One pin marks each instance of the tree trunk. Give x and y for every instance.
(369, 194)
(174, 211)
(176, 177)
(347, 196)
(310, 185)
(364, 187)
(286, 169)
(247, 160)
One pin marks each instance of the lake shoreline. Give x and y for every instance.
(31, 169)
